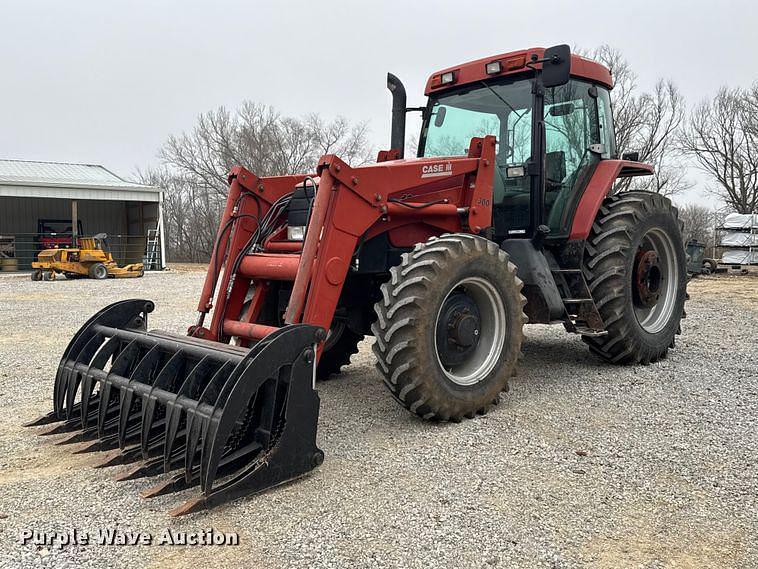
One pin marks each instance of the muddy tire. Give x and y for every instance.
(449, 327)
(635, 266)
(98, 271)
(337, 353)
(36, 275)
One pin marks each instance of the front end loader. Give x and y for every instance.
(506, 216)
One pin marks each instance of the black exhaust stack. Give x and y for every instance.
(397, 140)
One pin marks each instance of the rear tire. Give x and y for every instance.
(98, 271)
(449, 327)
(36, 275)
(635, 266)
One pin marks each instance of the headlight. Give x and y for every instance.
(296, 233)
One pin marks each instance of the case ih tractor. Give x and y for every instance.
(507, 216)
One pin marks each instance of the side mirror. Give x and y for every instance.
(556, 66)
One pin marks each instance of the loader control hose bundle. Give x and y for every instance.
(267, 226)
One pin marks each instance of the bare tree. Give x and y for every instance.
(196, 164)
(190, 214)
(647, 123)
(722, 137)
(697, 223)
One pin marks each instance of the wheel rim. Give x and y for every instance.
(654, 281)
(468, 344)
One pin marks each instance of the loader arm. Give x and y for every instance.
(351, 204)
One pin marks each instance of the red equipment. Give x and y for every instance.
(506, 214)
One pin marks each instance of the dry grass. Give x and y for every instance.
(742, 289)
(188, 267)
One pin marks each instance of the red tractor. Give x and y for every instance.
(507, 216)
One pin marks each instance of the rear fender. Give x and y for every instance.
(598, 188)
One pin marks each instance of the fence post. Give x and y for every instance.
(74, 222)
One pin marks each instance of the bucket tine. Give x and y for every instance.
(142, 373)
(106, 443)
(195, 426)
(120, 367)
(60, 428)
(102, 409)
(46, 419)
(120, 457)
(147, 468)
(72, 386)
(190, 388)
(125, 407)
(106, 352)
(167, 377)
(80, 437)
(173, 416)
(150, 467)
(176, 483)
(193, 438)
(73, 378)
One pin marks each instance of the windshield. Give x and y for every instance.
(501, 109)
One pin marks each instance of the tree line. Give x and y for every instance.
(718, 136)
(194, 165)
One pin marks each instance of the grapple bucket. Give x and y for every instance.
(233, 420)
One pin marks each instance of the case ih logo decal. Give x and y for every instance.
(434, 170)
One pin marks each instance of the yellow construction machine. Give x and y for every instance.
(91, 259)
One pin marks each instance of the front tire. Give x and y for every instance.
(337, 351)
(635, 266)
(449, 327)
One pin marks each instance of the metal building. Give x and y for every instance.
(44, 204)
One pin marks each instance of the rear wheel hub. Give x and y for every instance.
(647, 279)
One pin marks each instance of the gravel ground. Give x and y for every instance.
(584, 464)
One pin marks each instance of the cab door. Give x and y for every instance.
(575, 141)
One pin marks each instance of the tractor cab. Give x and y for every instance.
(551, 114)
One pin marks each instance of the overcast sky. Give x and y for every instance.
(107, 81)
